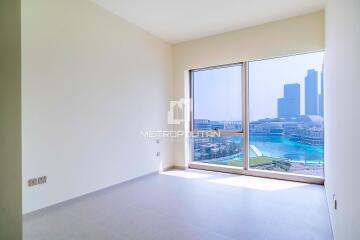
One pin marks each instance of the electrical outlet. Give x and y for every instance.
(42, 180)
(35, 181)
(32, 182)
(335, 204)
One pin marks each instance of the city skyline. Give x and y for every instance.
(268, 77)
(215, 88)
(289, 105)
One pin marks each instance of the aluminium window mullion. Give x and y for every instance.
(245, 108)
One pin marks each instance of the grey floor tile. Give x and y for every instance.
(189, 205)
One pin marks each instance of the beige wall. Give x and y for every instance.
(342, 115)
(290, 36)
(10, 121)
(91, 83)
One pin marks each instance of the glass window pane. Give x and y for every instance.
(217, 98)
(218, 150)
(286, 114)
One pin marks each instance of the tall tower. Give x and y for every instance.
(311, 93)
(292, 95)
(281, 108)
(289, 105)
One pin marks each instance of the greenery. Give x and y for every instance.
(235, 163)
(261, 160)
(283, 164)
(254, 161)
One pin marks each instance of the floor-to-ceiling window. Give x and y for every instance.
(286, 109)
(264, 115)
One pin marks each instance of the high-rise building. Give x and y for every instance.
(292, 94)
(281, 107)
(321, 96)
(289, 105)
(311, 93)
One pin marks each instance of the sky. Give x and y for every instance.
(217, 92)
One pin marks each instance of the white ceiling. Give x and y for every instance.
(181, 20)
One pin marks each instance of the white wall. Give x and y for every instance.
(342, 115)
(91, 83)
(10, 120)
(290, 36)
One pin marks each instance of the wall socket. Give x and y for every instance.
(335, 204)
(42, 180)
(35, 181)
(32, 182)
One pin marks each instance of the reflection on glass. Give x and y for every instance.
(224, 150)
(286, 114)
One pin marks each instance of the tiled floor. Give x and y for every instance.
(189, 205)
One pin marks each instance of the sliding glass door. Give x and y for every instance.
(260, 116)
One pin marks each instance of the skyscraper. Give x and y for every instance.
(289, 105)
(311, 93)
(281, 108)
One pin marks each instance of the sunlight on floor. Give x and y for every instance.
(257, 183)
(186, 174)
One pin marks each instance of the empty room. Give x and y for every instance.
(179, 120)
